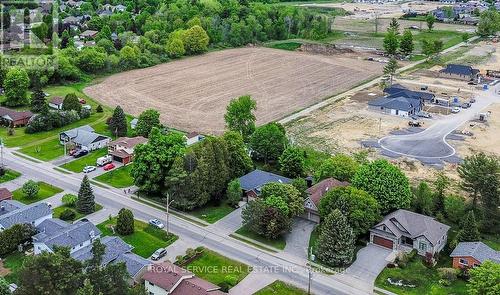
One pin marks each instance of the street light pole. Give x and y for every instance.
(309, 280)
(168, 215)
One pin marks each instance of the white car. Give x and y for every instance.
(88, 169)
(156, 223)
(455, 110)
(159, 254)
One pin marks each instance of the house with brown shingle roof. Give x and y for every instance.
(5, 194)
(56, 103)
(315, 193)
(168, 278)
(15, 118)
(122, 149)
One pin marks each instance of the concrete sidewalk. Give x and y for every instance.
(252, 283)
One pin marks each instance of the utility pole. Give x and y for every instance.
(1, 152)
(168, 214)
(309, 280)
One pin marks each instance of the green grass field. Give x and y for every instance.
(87, 160)
(118, 177)
(9, 175)
(212, 213)
(46, 151)
(145, 240)
(56, 212)
(280, 288)
(13, 262)
(278, 243)
(291, 46)
(46, 191)
(218, 269)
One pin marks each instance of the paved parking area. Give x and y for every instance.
(297, 241)
(370, 261)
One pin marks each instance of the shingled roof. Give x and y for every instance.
(258, 178)
(17, 213)
(69, 235)
(317, 191)
(477, 250)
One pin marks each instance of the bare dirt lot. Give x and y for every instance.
(192, 94)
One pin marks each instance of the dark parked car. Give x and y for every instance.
(472, 100)
(80, 153)
(465, 105)
(415, 123)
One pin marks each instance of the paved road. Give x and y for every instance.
(288, 268)
(431, 143)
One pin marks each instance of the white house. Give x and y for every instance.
(84, 137)
(193, 137)
(56, 103)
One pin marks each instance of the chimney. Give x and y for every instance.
(309, 181)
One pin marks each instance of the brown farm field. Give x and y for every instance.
(192, 93)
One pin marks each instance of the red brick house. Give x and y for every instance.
(315, 193)
(122, 149)
(15, 118)
(471, 254)
(5, 194)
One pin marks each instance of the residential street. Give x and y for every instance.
(287, 267)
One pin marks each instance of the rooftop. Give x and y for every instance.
(317, 191)
(17, 213)
(476, 250)
(258, 178)
(69, 235)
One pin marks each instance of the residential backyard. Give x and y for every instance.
(218, 269)
(87, 160)
(9, 175)
(10, 265)
(145, 240)
(118, 177)
(46, 191)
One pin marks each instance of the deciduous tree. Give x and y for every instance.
(147, 120)
(196, 40)
(391, 43)
(484, 279)
(71, 102)
(341, 167)
(430, 19)
(406, 45)
(238, 160)
(422, 199)
(292, 162)
(16, 85)
(30, 189)
(386, 183)
(268, 142)
(234, 192)
(239, 116)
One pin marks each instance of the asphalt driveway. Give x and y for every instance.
(297, 241)
(370, 261)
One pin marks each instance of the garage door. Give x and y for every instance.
(382, 242)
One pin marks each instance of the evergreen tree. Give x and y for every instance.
(335, 245)
(440, 185)
(406, 45)
(125, 222)
(71, 102)
(422, 199)
(118, 123)
(85, 203)
(394, 26)
(469, 231)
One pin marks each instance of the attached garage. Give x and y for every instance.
(383, 242)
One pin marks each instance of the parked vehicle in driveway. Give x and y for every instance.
(88, 169)
(156, 223)
(80, 153)
(466, 105)
(455, 110)
(101, 161)
(424, 114)
(159, 254)
(472, 100)
(415, 123)
(108, 166)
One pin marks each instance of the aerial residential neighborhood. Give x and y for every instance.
(249, 147)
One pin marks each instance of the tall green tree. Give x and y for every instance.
(484, 279)
(147, 120)
(239, 116)
(406, 45)
(469, 231)
(16, 85)
(234, 192)
(430, 19)
(341, 167)
(360, 208)
(292, 162)
(422, 199)
(386, 182)
(125, 222)
(239, 162)
(489, 23)
(118, 123)
(391, 43)
(268, 142)
(71, 102)
(390, 68)
(196, 40)
(454, 208)
(441, 182)
(394, 26)
(86, 200)
(335, 245)
(154, 159)
(38, 102)
(86, 289)
(288, 193)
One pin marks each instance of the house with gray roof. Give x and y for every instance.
(252, 183)
(84, 137)
(13, 212)
(397, 105)
(57, 233)
(117, 251)
(403, 230)
(471, 254)
(460, 72)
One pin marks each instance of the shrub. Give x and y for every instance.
(447, 273)
(68, 214)
(179, 259)
(84, 113)
(69, 200)
(51, 120)
(30, 189)
(99, 109)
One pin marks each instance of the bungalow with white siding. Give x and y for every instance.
(84, 137)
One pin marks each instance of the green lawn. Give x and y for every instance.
(58, 210)
(9, 175)
(145, 240)
(118, 177)
(46, 191)
(211, 213)
(278, 243)
(218, 269)
(280, 288)
(13, 262)
(45, 151)
(492, 241)
(87, 160)
(291, 46)
(425, 279)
